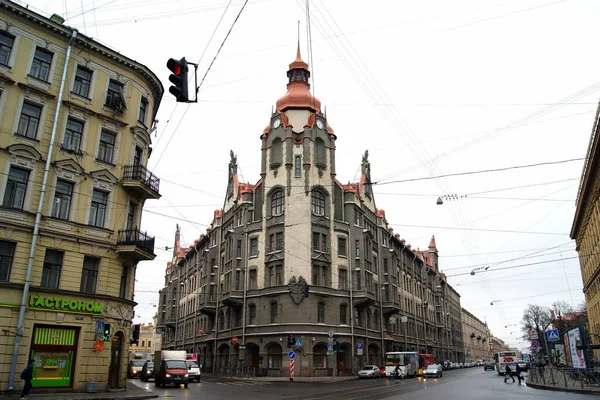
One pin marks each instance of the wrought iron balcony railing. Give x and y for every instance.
(141, 173)
(137, 238)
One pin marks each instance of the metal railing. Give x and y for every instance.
(141, 173)
(568, 378)
(137, 238)
(242, 373)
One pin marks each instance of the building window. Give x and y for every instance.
(251, 314)
(319, 275)
(51, 269)
(29, 120)
(342, 252)
(123, 283)
(357, 317)
(83, 79)
(357, 248)
(73, 135)
(16, 187)
(40, 68)
(318, 203)
(275, 242)
(98, 208)
(319, 242)
(320, 153)
(221, 320)
(321, 313)
(343, 277)
(107, 146)
(6, 43)
(62, 199)
(298, 166)
(277, 203)
(253, 279)
(149, 343)
(114, 96)
(279, 275)
(254, 247)
(343, 314)
(270, 276)
(7, 251)
(89, 276)
(238, 249)
(274, 313)
(143, 109)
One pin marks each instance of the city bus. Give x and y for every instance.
(407, 360)
(505, 357)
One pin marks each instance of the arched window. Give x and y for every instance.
(277, 203)
(274, 312)
(320, 153)
(276, 153)
(251, 314)
(321, 313)
(318, 202)
(298, 166)
(343, 314)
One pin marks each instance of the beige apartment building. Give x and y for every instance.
(75, 124)
(475, 337)
(146, 341)
(586, 232)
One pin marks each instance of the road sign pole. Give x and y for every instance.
(291, 369)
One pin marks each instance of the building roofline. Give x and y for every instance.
(587, 176)
(86, 41)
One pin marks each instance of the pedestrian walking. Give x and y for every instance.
(507, 374)
(27, 376)
(518, 373)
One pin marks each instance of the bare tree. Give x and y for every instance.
(561, 307)
(535, 318)
(581, 307)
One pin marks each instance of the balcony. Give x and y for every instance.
(140, 181)
(135, 245)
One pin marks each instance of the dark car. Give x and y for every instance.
(134, 368)
(147, 371)
(488, 365)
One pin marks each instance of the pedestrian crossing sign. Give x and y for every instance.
(552, 335)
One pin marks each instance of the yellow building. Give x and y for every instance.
(586, 232)
(147, 341)
(475, 336)
(75, 124)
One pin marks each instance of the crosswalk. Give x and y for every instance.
(244, 383)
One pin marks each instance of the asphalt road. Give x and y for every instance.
(464, 384)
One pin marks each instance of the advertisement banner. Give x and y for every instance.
(577, 356)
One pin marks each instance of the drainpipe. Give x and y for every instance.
(38, 219)
(351, 313)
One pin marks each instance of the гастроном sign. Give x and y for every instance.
(60, 304)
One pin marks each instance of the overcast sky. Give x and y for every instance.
(429, 88)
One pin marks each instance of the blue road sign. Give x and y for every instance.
(298, 342)
(552, 335)
(291, 354)
(99, 328)
(329, 346)
(359, 346)
(535, 344)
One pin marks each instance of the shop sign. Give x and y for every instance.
(60, 304)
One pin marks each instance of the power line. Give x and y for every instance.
(481, 171)
(479, 229)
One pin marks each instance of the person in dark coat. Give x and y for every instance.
(27, 376)
(518, 373)
(507, 374)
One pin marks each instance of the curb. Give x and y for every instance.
(561, 389)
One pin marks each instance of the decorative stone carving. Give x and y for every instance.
(297, 289)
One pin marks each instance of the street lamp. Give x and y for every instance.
(218, 279)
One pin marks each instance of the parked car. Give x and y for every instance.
(193, 371)
(147, 371)
(488, 365)
(433, 371)
(369, 371)
(523, 364)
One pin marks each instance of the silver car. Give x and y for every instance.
(433, 371)
(369, 371)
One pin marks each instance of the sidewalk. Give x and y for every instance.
(561, 383)
(133, 392)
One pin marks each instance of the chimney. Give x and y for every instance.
(57, 18)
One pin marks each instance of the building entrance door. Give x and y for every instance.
(114, 369)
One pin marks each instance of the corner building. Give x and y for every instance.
(68, 257)
(299, 254)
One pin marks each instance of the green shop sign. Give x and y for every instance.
(59, 304)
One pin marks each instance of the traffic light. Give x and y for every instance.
(106, 329)
(135, 337)
(336, 347)
(293, 340)
(179, 78)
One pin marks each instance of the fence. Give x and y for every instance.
(244, 373)
(567, 378)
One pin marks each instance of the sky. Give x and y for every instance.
(436, 91)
